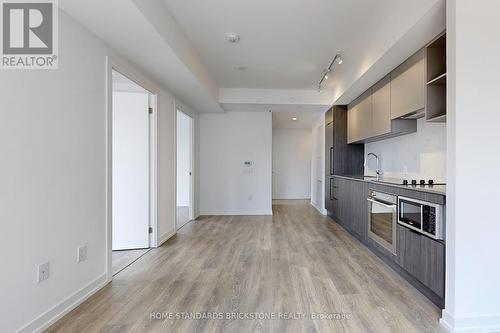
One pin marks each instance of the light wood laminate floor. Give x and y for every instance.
(123, 258)
(182, 216)
(296, 261)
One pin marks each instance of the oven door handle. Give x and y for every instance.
(381, 203)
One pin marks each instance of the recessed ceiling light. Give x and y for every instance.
(294, 118)
(232, 37)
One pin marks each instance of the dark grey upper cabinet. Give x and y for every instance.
(341, 158)
(408, 86)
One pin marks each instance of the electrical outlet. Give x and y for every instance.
(43, 272)
(81, 254)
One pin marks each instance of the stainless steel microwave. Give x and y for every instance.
(421, 216)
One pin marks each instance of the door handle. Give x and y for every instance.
(381, 203)
(331, 160)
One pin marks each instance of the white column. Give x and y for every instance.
(473, 202)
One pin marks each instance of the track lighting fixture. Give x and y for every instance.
(338, 59)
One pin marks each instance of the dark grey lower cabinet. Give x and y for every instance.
(408, 247)
(358, 208)
(329, 193)
(418, 258)
(422, 257)
(433, 253)
(350, 205)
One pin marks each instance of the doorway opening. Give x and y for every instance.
(132, 172)
(291, 155)
(184, 169)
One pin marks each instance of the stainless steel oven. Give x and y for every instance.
(421, 216)
(382, 217)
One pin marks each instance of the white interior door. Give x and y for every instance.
(130, 191)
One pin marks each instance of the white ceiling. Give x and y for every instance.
(125, 26)
(285, 44)
(305, 119)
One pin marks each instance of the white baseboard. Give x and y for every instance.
(165, 237)
(236, 212)
(48, 318)
(319, 209)
(477, 324)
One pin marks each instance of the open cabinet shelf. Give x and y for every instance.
(436, 80)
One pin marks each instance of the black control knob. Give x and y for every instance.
(414, 182)
(422, 182)
(431, 182)
(405, 182)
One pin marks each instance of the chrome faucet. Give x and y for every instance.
(378, 165)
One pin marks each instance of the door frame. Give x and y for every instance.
(191, 164)
(136, 77)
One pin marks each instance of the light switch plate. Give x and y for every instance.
(43, 272)
(81, 254)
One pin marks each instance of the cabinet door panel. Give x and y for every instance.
(335, 201)
(353, 119)
(381, 113)
(329, 149)
(408, 86)
(408, 250)
(342, 198)
(422, 257)
(329, 194)
(433, 256)
(359, 118)
(359, 210)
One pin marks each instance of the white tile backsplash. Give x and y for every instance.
(414, 156)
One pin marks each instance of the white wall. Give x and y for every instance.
(473, 226)
(318, 165)
(183, 159)
(226, 142)
(53, 179)
(420, 154)
(292, 163)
